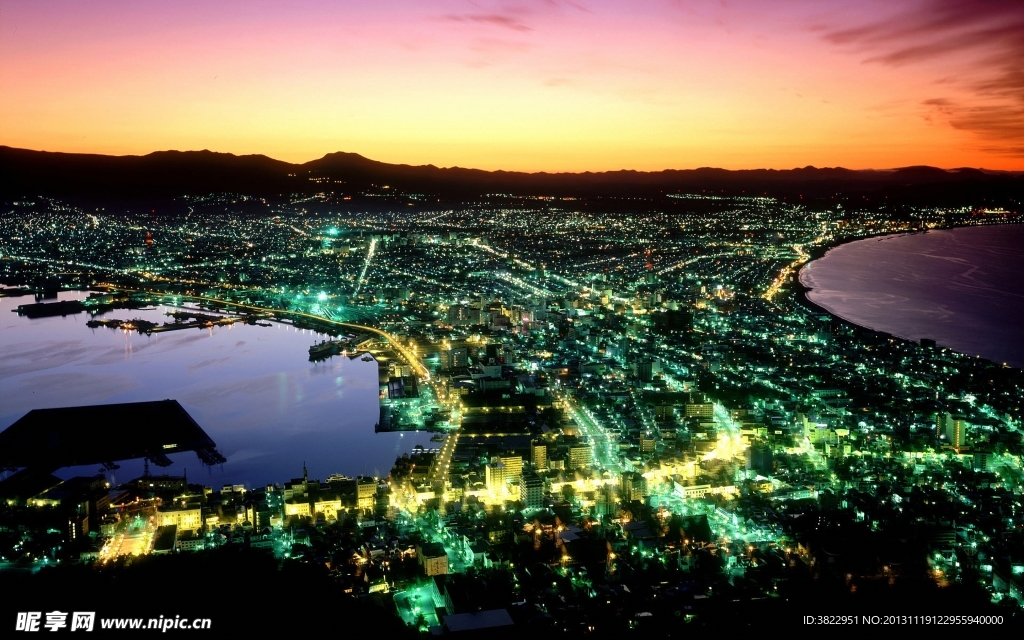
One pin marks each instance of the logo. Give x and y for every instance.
(55, 620)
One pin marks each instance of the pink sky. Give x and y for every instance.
(540, 85)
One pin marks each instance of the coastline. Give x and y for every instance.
(211, 372)
(800, 290)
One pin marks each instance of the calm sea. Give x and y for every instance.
(963, 288)
(251, 388)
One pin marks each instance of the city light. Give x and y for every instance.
(585, 405)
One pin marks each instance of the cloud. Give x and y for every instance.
(494, 19)
(1002, 123)
(514, 17)
(574, 5)
(998, 122)
(985, 36)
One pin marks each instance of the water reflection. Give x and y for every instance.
(251, 388)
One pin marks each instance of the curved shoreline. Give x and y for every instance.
(801, 290)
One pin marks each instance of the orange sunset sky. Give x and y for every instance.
(542, 85)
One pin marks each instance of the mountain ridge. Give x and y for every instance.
(174, 172)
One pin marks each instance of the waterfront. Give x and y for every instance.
(963, 288)
(251, 388)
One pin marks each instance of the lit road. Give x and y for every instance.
(134, 542)
(439, 470)
(522, 284)
(645, 413)
(603, 446)
(366, 265)
(730, 443)
(725, 423)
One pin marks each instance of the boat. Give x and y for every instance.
(437, 438)
(367, 358)
(324, 350)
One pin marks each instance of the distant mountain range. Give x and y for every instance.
(172, 173)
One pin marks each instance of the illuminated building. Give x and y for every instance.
(983, 461)
(455, 358)
(579, 457)
(299, 509)
(539, 455)
(531, 490)
(953, 429)
(700, 409)
(513, 467)
(646, 444)
(366, 492)
(328, 507)
(433, 558)
(633, 487)
(296, 496)
(604, 505)
(189, 541)
(186, 518)
(495, 474)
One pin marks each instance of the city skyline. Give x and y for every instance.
(526, 86)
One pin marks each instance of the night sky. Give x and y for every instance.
(534, 85)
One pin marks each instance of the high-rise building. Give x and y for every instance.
(382, 499)
(513, 467)
(700, 410)
(604, 504)
(539, 454)
(623, 349)
(492, 354)
(458, 315)
(433, 558)
(454, 358)
(759, 458)
(646, 444)
(647, 369)
(952, 428)
(632, 486)
(366, 492)
(531, 489)
(579, 457)
(495, 477)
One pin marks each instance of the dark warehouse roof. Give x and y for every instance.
(55, 438)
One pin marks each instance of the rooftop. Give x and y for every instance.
(54, 438)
